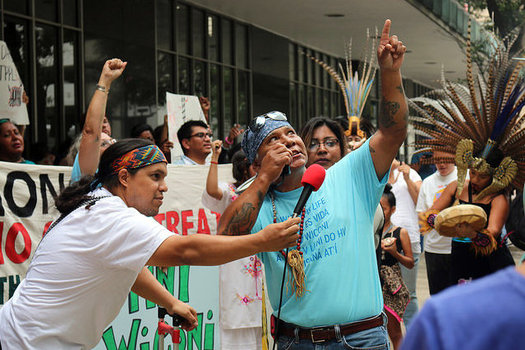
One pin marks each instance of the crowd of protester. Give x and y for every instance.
(411, 189)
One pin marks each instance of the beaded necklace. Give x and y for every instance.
(295, 257)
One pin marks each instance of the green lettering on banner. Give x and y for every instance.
(109, 338)
(209, 330)
(195, 335)
(133, 303)
(2, 281)
(149, 304)
(167, 279)
(13, 285)
(184, 281)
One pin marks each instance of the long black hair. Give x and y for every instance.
(308, 129)
(70, 198)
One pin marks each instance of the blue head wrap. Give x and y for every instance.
(252, 139)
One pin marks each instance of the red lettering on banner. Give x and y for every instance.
(217, 217)
(202, 225)
(160, 218)
(1, 237)
(10, 250)
(46, 227)
(172, 220)
(185, 214)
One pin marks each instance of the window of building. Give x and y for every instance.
(211, 58)
(45, 47)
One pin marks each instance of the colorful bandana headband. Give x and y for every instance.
(138, 158)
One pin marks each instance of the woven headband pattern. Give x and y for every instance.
(138, 158)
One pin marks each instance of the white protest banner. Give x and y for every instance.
(27, 209)
(181, 108)
(11, 89)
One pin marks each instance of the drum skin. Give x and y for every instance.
(447, 219)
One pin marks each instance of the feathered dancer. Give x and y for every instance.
(480, 125)
(355, 87)
(478, 121)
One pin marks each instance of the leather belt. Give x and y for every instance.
(322, 334)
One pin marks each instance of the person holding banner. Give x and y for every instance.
(340, 305)
(11, 143)
(96, 252)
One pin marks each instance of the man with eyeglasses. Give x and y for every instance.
(195, 140)
(342, 306)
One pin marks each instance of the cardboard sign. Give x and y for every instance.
(181, 108)
(11, 89)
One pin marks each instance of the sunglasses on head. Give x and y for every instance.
(258, 122)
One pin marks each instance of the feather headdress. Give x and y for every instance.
(478, 121)
(355, 87)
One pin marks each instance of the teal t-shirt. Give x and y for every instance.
(342, 279)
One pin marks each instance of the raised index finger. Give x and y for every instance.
(385, 35)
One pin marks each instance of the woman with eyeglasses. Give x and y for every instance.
(325, 142)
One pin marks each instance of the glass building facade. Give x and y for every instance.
(60, 46)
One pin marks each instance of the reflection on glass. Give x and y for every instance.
(241, 46)
(47, 83)
(47, 9)
(293, 105)
(19, 6)
(228, 101)
(197, 34)
(199, 78)
(243, 109)
(213, 38)
(215, 98)
(292, 59)
(326, 103)
(184, 76)
(300, 64)
(301, 97)
(164, 20)
(182, 28)
(71, 82)
(70, 12)
(16, 38)
(166, 78)
(310, 103)
(226, 39)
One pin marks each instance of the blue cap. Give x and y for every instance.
(252, 139)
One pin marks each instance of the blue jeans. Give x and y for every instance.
(370, 339)
(410, 279)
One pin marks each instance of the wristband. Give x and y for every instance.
(212, 162)
(227, 140)
(481, 240)
(430, 220)
(102, 88)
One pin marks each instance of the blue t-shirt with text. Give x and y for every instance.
(342, 281)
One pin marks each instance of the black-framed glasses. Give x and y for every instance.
(202, 135)
(258, 122)
(328, 143)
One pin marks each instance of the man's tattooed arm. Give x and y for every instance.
(240, 216)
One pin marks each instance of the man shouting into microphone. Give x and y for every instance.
(341, 303)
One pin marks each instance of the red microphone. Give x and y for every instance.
(312, 179)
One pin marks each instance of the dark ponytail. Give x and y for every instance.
(71, 197)
(387, 192)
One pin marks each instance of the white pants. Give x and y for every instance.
(241, 339)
